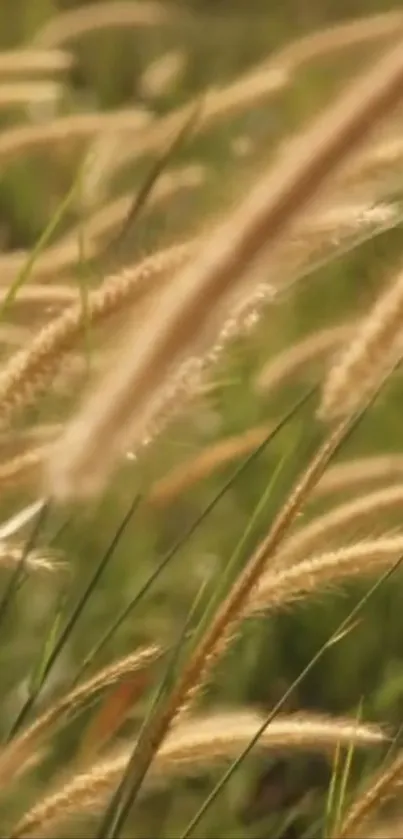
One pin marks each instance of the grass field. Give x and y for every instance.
(200, 419)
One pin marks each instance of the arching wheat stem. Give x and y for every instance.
(29, 371)
(187, 310)
(200, 741)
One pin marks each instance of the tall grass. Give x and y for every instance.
(200, 358)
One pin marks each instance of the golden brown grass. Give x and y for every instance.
(91, 236)
(28, 372)
(289, 361)
(279, 589)
(77, 22)
(375, 346)
(18, 61)
(379, 790)
(107, 423)
(273, 75)
(351, 474)
(194, 743)
(17, 754)
(68, 129)
(368, 508)
(24, 93)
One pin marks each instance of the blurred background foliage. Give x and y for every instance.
(213, 42)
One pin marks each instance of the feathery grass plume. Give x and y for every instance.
(270, 77)
(69, 128)
(376, 344)
(383, 153)
(380, 789)
(287, 362)
(44, 295)
(23, 466)
(37, 560)
(349, 215)
(162, 74)
(350, 33)
(334, 521)
(361, 470)
(15, 756)
(387, 829)
(65, 253)
(19, 61)
(280, 588)
(14, 335)
(76, 22)
(30, 434)
(23, 93)
(211, 458)
(199, 742)
(131, 394)
(29, 371)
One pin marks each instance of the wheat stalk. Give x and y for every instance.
(102, 429)
(91, 234)
(19, 61)
(376, 344)
(270, 77)
(278, 589)
(184, 476)
(380, 789)
(322, 527)
(24, 93)
(309, 348)
(198, 742)
(77, 22)
(16, 755)
(27, 373)
(347, 474)
(70, 128)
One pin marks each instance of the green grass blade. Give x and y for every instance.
(184, 538)
(229, 572)
(18, 571)
(38, 675)
(331, 796)
(43, 240)
(158, 167)
(344, 780)
(61, 641)
(122, 801)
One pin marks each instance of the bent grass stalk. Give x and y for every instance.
(98, 435)
(202, 740)
(360, 470)
(376, 343)
(28, 372)
(322, 527)
(16, 754)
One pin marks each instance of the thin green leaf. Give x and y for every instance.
(42, 242)
(77, 611)
(344, 779)
(121, 802)
(18, 571)
(114, 247)
(184, 538)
